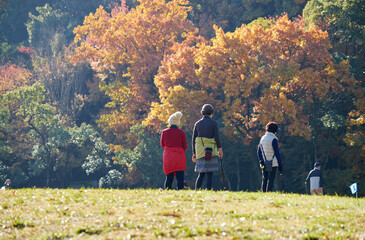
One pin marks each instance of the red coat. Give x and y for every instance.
(173, 140)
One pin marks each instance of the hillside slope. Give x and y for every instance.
(149, 214)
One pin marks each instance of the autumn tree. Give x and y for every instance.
(246, 70)
(13, 76)
(281, 72)
(125, 47)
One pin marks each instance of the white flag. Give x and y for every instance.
(353, 188)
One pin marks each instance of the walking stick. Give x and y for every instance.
(222, 171)
(282, 182)
(306, 188)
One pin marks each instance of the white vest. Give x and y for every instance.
(266, 143)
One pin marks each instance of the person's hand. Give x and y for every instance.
(262, 164)
(220, 152)
(194, 157)
(281, 168)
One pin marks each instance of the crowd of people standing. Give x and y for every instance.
(207, 151)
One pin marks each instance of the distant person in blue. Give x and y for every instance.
(269, 157)
(315, 179)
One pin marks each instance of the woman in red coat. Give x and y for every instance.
(173, 140)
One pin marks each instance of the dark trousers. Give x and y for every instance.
(179, 178)
(199, 180)
(268, 179)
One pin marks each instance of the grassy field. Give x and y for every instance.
(150, 214)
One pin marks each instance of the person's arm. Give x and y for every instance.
(275, 146)
(259, 155)
(193, 138)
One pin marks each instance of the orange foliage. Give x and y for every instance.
(12, 77)
(25, 50)
(126, 49)
(252, 76)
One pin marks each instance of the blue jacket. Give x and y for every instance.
(315, 178)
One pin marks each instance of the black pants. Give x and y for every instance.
(199, 180)
(268, 179)
(179, 178)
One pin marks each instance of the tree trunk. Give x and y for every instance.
(238, 172)
(47, 176)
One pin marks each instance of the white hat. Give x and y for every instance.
(174, 119)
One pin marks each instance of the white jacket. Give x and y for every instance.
(266, 143)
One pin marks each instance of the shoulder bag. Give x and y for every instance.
(207, 150)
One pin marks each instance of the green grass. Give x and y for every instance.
(151, 214)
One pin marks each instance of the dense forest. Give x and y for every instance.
(87, 86)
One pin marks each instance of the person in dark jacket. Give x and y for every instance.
(315, 179)
(269, 157)
(206, 136)
(173, 140)
(7, 185)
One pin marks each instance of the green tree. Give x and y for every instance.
(114, 179)
(144, 162)
(56, 147)
(44, 125)
(99, 154)
(231, 14)
(5, 149)
(344, 21)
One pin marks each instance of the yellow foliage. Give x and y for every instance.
(179, 99)
(252, 76)
(128, 47)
